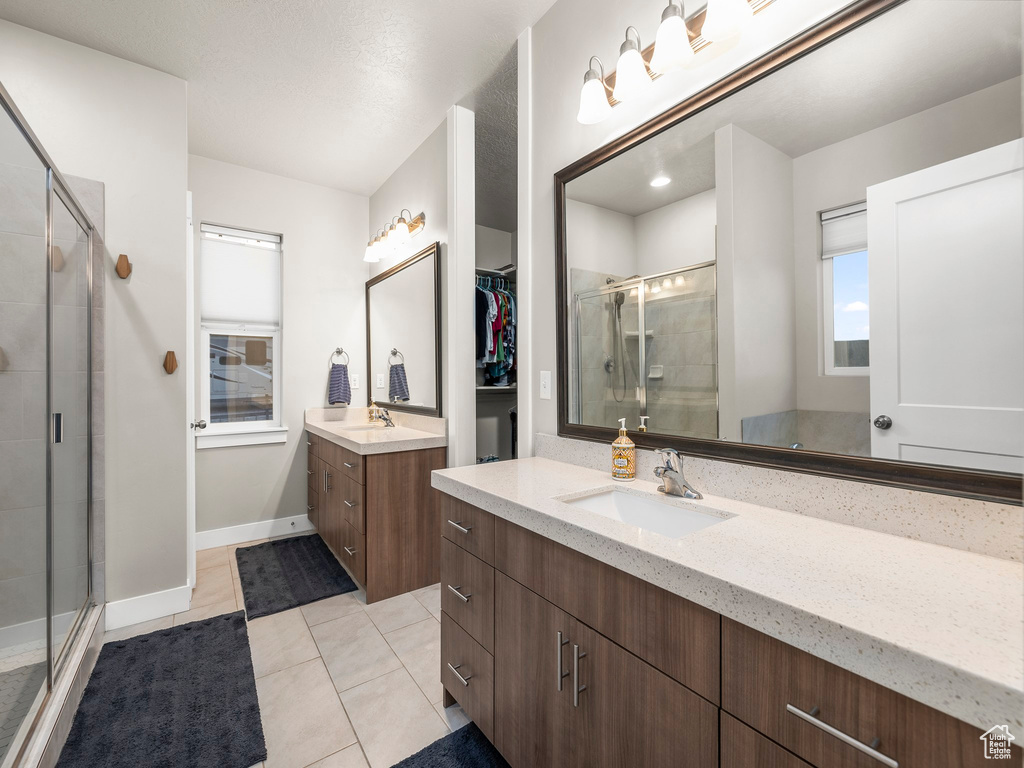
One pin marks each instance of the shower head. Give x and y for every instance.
(620, 298)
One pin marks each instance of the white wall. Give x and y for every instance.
(107, 119)
(841, 173)
(600, 240)
(557, 50)
(323, 308)
(757, 356)
(494, 248)
(677, 235)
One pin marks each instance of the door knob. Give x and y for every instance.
(201, 424)
(883, 422)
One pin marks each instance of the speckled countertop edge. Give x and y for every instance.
(942, 626)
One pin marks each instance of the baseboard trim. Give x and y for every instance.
(29, 631)
(264, 529)
(155, 605)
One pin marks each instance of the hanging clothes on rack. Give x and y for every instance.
(495, 330)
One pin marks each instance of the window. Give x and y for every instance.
(240, 322)
(844, 254)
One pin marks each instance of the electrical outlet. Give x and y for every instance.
(545, 385)
(380, 381)
(355, 381)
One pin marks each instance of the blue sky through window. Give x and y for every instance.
(850, 296)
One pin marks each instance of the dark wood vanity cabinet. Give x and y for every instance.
(652, 669)
(377, 513)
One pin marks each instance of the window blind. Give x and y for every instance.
(239, 277)
(844, 230)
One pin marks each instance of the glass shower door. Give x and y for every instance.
(70, 420)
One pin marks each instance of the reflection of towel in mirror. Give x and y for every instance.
(339, 391)
(398, 385)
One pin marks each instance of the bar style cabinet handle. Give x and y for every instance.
(349, 466)
(868, 750)
(455, 671)
(349, 503)
(309, 471)
(309, 507)
(350, 551)
(459, 527)
(577, 689)
(327, 481)
(455, 591)
(562, 642)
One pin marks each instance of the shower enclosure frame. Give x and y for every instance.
(57, 188)
(625, 285)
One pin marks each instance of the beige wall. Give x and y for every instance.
(323, 308)
(124, 125)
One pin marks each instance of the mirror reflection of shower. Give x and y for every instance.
(619, 354)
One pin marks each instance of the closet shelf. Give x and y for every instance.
(489, 390)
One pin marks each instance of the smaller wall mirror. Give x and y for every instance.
(403, 334)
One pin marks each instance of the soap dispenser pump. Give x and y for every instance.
(643, 423)
(623, 456)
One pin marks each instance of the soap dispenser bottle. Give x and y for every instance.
(623, 456)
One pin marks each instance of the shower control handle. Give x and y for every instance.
(883, 422)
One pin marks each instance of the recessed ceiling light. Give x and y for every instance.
(660, 181)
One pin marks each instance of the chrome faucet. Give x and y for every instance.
(671, 474)
(383, 415)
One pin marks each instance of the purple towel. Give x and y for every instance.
(340, 391)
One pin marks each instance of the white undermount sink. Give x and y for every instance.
(672, 518)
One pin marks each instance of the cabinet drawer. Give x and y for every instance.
(672, 634)
(345, 461)
(467, 592)
(312, 444)
(767, 683)
(351, 500)
(313, 507)
(352, 550)
(743, 747)
(470, 527)
(462, 656)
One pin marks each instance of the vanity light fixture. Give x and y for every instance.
(631, 76)
(660, 181)
(371, 253)
(725, 19)
(394, 235)
(672, 49)
(594, 104)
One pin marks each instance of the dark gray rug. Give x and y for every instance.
(282, 574)
(466, 748)
(179, 696)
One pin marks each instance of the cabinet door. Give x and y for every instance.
(330, 514)
(629, 713)
(531, 716)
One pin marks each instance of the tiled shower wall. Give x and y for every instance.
(23, 419)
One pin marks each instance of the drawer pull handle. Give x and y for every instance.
(349, 466)
(455, 671)
(577, 689)
(349, 503)
(870, 751)
(561, 675)
(309, 443)
(350, 551)
(459, 527)
(327, 482)
(309, 507)
(309, 471)
(455, 591)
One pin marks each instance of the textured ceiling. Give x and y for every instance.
(917, 56)
(334, 92)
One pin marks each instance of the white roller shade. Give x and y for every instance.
(844, 230)
(240, 282)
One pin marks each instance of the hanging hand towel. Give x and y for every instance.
(339, 391)
(398, 385)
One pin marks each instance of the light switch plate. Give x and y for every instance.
(380, 381)
(355, 381)
(545, 385)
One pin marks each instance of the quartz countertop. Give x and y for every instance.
(350, 428)
(942, 626)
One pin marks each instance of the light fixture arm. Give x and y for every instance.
(628, 44)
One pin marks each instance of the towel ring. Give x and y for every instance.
(396, 353)
(339, 352)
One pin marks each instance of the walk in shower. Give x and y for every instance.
(46, 294)
(647, 347)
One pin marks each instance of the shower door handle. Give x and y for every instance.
(57, 428)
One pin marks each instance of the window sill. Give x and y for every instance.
(267, 436)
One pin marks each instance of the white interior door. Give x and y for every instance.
(946, 261)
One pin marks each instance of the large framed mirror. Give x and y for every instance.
(403, 334)
(817, 263)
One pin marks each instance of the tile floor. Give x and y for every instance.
(341, 684)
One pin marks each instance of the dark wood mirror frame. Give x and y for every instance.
(434, 249)
(988, 486)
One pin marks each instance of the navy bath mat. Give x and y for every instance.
(282, 574)
(466, 748)
(179, 696)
